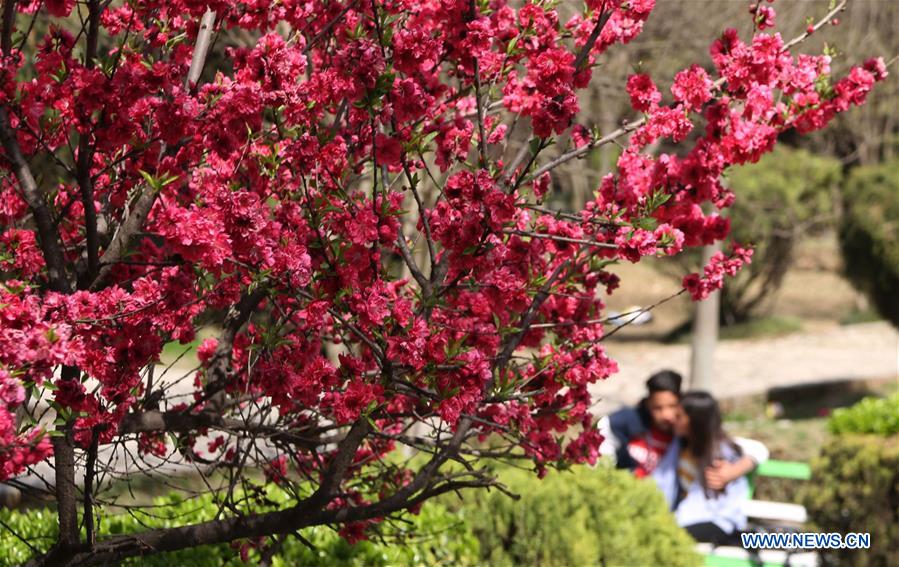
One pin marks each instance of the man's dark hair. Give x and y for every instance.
(665, 381)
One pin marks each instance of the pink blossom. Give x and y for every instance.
(580, 135)
(388, 150)
(764, 17)
(643, 92)
(59, 8)
(692, 87)
(11, 393)
(712, 279)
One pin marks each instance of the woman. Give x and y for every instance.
(710, 515)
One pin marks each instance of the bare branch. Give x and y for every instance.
(201, 48)
(141, 211)
(818, 25)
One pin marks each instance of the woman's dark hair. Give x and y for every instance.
(706, 433)
(664, 381)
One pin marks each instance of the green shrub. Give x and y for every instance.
(434, 537)
(869, 235)
(584, 516)
(855, 488)
(879, 416)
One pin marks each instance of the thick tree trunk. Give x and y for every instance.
(66, 492)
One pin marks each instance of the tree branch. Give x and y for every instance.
(557, 238)
(591, 41)
(141, 211)
(90, 470)
(185, 422)
(413, 267)
(220, 362)
(201, 48)
(527, 318)
(9, 21)
(633, 125)
(86, 157)
(250, 526)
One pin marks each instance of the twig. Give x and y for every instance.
(593, 243)
(633, 125)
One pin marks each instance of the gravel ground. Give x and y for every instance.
(746, 367)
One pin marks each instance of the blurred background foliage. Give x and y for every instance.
(869, 234)
(785, 197)
(582, 516)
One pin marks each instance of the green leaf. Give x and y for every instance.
(427, 139)
(646, 223)
(511, 47)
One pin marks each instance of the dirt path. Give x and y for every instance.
(745, 367)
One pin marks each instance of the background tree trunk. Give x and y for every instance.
(705, 333)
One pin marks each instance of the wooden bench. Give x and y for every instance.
(778, 514)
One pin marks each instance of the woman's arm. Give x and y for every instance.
(722, 472)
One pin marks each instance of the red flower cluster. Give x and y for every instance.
(32, 343)
(713, 274)
(643, 92)
(291, 196)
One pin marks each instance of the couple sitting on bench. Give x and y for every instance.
(678, 440)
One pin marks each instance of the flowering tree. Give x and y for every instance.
(354, 202)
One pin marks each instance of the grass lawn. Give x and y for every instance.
(181, 354)
(756, 328)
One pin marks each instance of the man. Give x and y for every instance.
(639, 437)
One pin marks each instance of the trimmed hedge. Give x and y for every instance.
(434, 537)
(879, 416)
(855, 488)
(855, 481)
(584, 516)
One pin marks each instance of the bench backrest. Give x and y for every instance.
(780, 469)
